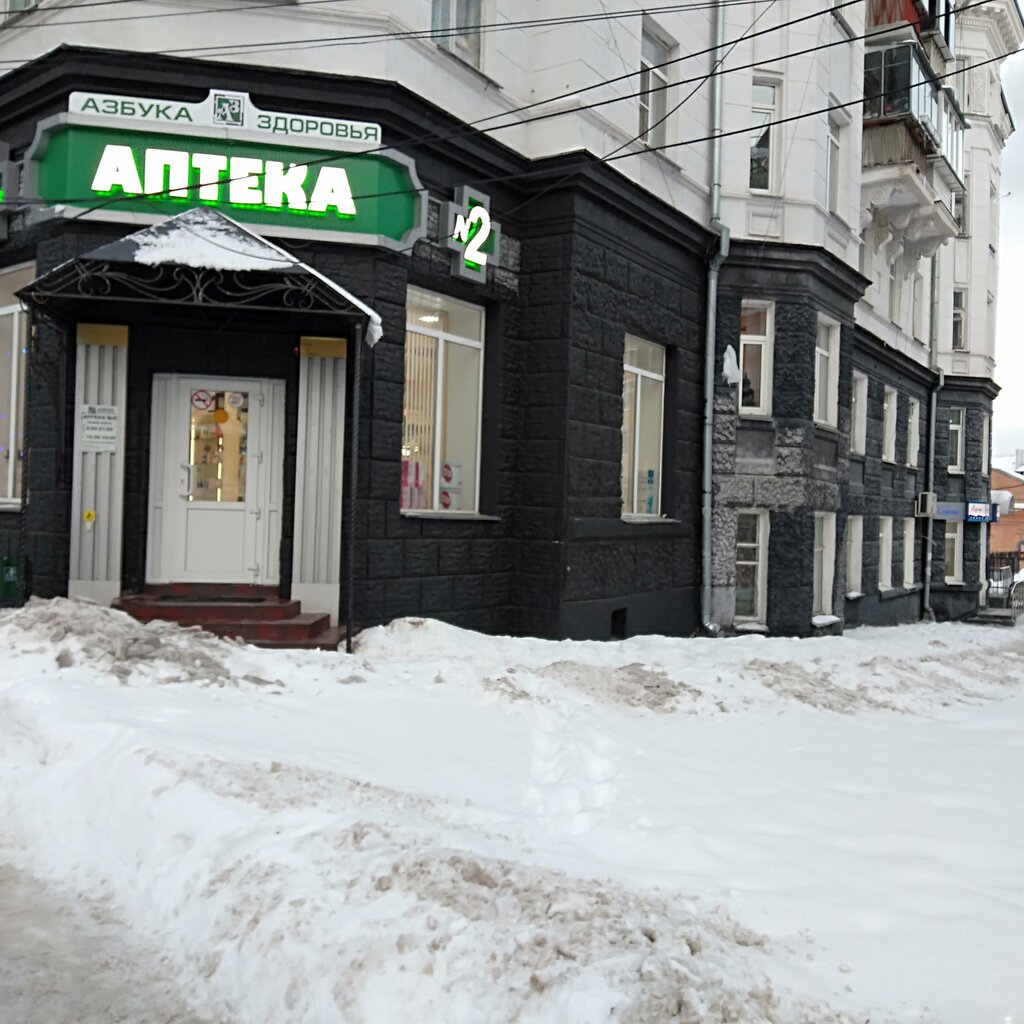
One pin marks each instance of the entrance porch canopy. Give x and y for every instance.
(199, 258)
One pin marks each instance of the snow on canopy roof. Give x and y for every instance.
(206, 239)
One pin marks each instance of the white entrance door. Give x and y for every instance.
(215, 480)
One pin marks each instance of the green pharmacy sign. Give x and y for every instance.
(283, 186)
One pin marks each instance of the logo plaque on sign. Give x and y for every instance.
(228, 109)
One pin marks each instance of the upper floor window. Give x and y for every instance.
(859, 414)
(887, 82)
(955, 460)
(889, 425)
(832, 178)
(14, 6)
(643, 416)
(444, 348)
(826, 374)
(986, 428)
(959, 340)
(960, 208)
(913, 433)
(763, 111)
(756, 343)
(456, 27)
(13, 349)
(654, 55)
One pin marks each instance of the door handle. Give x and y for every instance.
(190, 471)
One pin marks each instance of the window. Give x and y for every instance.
(826, 374)
(834, 136)
(756, 343)
(954, 552)
(917, 311)
(889, 407)
(986, 423)
(962, 82)
(824, 561)
(14, 6)
(887, 82)
(751, 565)
(763, 114)
(654, 55)
(643, 410)
(909, 533)
(456, 27)
(854, 555)
(955, 462)
(960, 207)
(885, 552)
(959, 320)
(914, 433)
(13, 346)
(895, 296)
(859, 414)
(444, 348)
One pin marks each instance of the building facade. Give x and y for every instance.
(674, 318)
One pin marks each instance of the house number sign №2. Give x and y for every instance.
(472, 235)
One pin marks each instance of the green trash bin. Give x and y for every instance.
(10, 589)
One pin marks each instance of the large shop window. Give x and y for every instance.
(751, 565)
(456, 27)
(643, 414)
(13, 349)
(954, 552)
(444, 344)
(757, 329)
(824, 561)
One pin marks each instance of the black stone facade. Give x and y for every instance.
(587, 257)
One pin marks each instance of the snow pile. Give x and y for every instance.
(482, 829)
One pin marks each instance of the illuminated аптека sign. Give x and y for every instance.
(290, 187)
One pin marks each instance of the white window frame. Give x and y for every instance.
(854, 556)
(957, 576)
(10, 437)
(859, 414)
(629, 502)
(986, 426)
(763, 527)
(833, 165)
(890, 409)
(958, 336)
(653, 104)
(913, 433)
(18, 6)
(958, 466)
(757, 110)
(826, 347)
(917, 307)
(895, 296)
(468, 47)
(884, 553)
(909, 543)
(767, 343)
(821, 603)
(444, 339)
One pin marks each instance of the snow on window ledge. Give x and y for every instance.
(853, 595)
(824, 620)
(750, 627)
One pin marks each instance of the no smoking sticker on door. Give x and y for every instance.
(202, 400)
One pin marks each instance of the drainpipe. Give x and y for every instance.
(353, 487)
(711, 322)
(929, 479)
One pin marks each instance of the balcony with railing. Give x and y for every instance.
(913, 139)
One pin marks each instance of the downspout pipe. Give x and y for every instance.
(929, 480)
(711, 323)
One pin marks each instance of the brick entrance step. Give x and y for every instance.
(254, 614)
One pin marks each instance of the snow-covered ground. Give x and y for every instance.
(449, 828)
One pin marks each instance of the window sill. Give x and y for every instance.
(829, 428)
(854, 595)
(472, 68)
(10, 504)
(820, 621)
(858, 455)
(890, 462)
(629, 518)
(761, 418)
(953, 583)
(749, 627)
(425, 513)
(954, 472)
